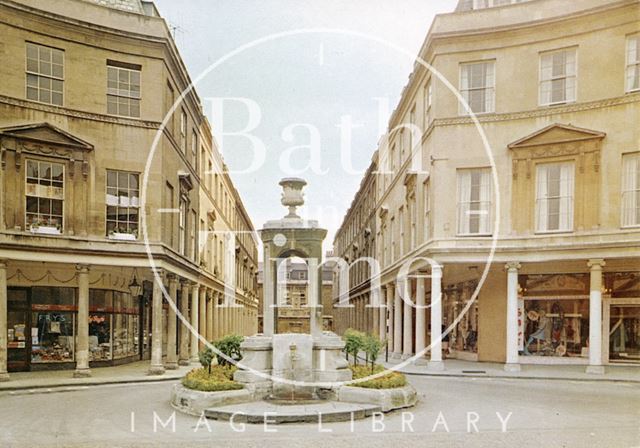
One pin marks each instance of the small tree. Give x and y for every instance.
(206, 356)
(353, 343)
(372, 347)
(230, 347)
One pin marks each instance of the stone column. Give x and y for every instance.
(512, 364)
(375, 315)
(183, 349)
(82, 346)
(156, 367)
(382, 317)
(197, 315)
(4, 375)
(202, 315)
(171, 362)
(421, 317)
(217, 311)
(407, 320)
(268, 321)
(397, 323)
(389, 318)
(210, 317)
(595, 317)
(436, 319)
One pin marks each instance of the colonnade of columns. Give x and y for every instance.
(203, 309)
(403, 323)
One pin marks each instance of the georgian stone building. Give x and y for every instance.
(88, 209)
(555, 89)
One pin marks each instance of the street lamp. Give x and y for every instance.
(134, 287)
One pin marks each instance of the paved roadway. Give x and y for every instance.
(543, 414)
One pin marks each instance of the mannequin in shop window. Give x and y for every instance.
(542, 333)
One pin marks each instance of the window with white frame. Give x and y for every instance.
(45, 74)
(123, 90)
(558, 77)
(194, 148)
(401, 224)
(631, 190)
(426, 191)
(554, 196)
(428, 100)
(123, 191)
(477, 87)
(182, 226)
(183, 131)
(414, 131)
(44, 195)
(633, 63)
(474, 201)
(392, 239)
(412, 222)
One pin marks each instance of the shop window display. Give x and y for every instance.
(624, 333)
(52, 324)
(556, 326)
(125, 325)
(464, 336)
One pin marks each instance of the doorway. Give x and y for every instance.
(622, 331)
(18, 330)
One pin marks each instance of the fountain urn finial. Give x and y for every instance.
(292, 196)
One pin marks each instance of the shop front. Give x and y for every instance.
(621, 318)
(42, 327)
(462, 341)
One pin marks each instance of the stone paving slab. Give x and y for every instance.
(458, 368)
(260, 412)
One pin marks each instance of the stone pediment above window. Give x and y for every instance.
(43, 136)
(559, 140)
(186, 183)
(44, 139)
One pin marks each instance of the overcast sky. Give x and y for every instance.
(312, 78)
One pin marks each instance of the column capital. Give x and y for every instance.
(596, 263)
(82, 268)
(185, 283)
(171, 277)
(512, 266)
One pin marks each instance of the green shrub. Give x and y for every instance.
(229, 346)
(372, 346)
(353, 343)
(213, 379)
(391, 380)
(206, 356)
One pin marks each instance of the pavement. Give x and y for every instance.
(458, 368)
(136, 372)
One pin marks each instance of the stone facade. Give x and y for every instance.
(80, 109)
(553, 86)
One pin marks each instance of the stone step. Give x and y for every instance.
(259, 411)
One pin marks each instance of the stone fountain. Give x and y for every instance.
(292, 377)
(269, 364)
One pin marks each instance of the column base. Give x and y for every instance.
(512, 367)
(183, 362)
(82, 373)
(4, 376)
(406, 356)
(155, 369)
(435, 366)
(171, 365)
(396, 356)
(194, 360)
(595, 370)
